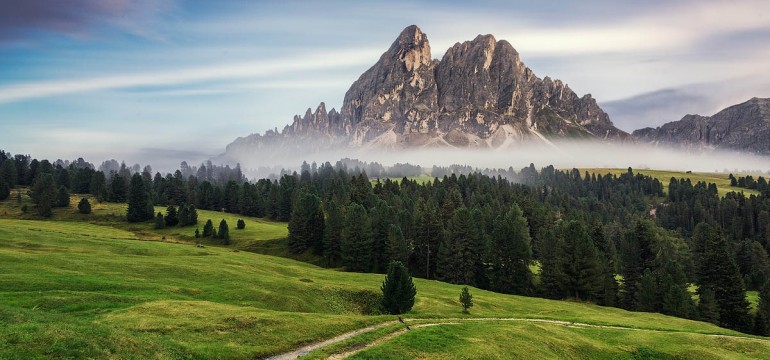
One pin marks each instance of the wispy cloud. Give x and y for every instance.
(318, 61)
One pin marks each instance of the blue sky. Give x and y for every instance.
(163, 80)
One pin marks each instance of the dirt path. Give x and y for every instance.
(308, 348)
(455, 321)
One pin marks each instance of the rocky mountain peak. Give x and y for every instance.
(412, 48)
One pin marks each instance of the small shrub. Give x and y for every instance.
(240, 225)
(466, 299)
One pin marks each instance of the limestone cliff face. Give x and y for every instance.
(742, 127)
(479, 95)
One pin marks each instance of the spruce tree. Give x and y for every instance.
(428, 236)
(241, 224)
(333, 234)
(762, 317)
(707, 306)
(647, 293)
(224, 232)
(9, 173)
(208, 229)
(510, 253)
(117, 192)
(581, 268)
(398, 290)
(63, 197)
(5, 190)
(84, 207)
(459, 255)
(356, 242)
(552, 277)
(306, 224)
(398, 246)
(160, 223)
(382, 216)
(466, 299)
(43, 194)
(720, 274)
(172, 217)
(139, 204)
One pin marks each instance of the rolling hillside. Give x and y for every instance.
(91, 286)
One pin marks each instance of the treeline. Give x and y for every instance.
(617, 240)
(748, 182)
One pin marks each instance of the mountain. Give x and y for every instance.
(479, 95)
(743, 127)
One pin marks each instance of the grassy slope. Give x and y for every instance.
(720, 179)
(70, 289)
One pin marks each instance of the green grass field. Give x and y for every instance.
(720, 179)
(93, 286)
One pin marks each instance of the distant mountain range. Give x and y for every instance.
(743, 127)
(480, 95)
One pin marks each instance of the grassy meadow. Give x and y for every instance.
(94, 286)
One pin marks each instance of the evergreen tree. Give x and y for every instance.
(581, 267)
(224, 232)
(197, 233)
(398, 247)
(762, 317)
(208, 229)
(707, 306)
(719, 273)
(98, 186)
(428, 236)
(160, 223)
(62, 197)
(647, 293)
(466, 299)
(333, 225)
(382, 216)
(172, 217)
(183, 215)
(241, 224)
(139, 203)
(638, 254)
(306, 224)
(510, 253)
(552, 277)
(5, 190)
(9, 173)
(43, 194)
(356, 241)
(117, 193)
(84, 207)
(398, 290)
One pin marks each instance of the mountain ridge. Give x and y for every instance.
(741, 127)
(479, 95)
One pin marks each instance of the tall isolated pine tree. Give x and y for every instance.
(224, 232)
(510, 253)
(398, 290)
(139, 202)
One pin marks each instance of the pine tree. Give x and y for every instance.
(581, 267)
(720, 274)
(428, 236)
(332, 236)
(8, 173)
(458, 256)
(63, 197)
(5, 190)
(117, 193)
(466, 299)
(172, 217)
(84, 207)
(241, 224)
(356, 242)
(306, 224)
(43, 194)
(382, 216)
(552, 277)
(398, 247)
(398, 290)
(647, 293)
(208, 229)
(707, 306)
(160, 223)
(197, 233)
(510, 253)
(762, 318)
(139, 204)
(224, 232)
(638, 254)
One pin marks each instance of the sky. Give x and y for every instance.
(160, 81)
